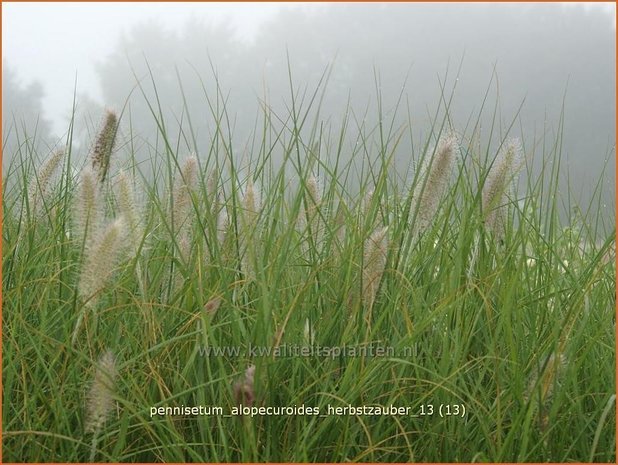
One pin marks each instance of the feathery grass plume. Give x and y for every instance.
(309, 218)
(100, 260)
(366, 205)
(243, 389)
(314, 199)
(180, 216)
(308, 333)
(374, 262)
(251, 205)
(495, 189)
(40, 183)
(223, 224)
(104, 146)
(433, 180)
(215, 209)
(474, 255)
(216, 212)
(340, 226)
(101, 398)
(128, 209)
(88, 213)
(181, 208)
(213, 195)
(211, 189)
(185, 184)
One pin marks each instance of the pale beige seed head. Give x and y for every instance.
(104, 146)
(312, 213)
(374, 263)
(367, 201)
(249, 237)
(496, 186)
(308, 333)
(223, 224)
(182, 212)
(251, 203)
(212, 189)
(39, 186)
(213, 196)
(314, 197)
(244, 392)
(100, 260)
(340, 226)
(185, 184)
(128, 209)
(88, 213)
(250, 374)
(101, 396)
(433, 180)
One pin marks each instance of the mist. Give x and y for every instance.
(541, 72)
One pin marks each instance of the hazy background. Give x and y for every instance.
(532, 61)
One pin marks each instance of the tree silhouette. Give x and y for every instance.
(25, 130)
(540, 53)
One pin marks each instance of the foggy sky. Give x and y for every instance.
(59, 43)
(533, 60)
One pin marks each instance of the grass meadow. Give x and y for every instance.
(301, 270)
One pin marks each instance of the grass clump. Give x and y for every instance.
(454, 291)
